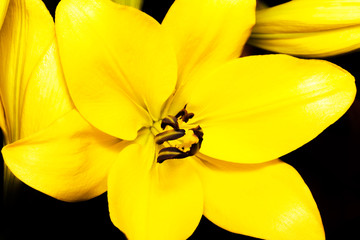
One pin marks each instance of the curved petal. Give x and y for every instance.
(69, 160)
(258, 108)
(313, 44)
(117, 62)
(207, 33)
(3, 8)
(309, 28)
(308, 16)
(32, 88)
(267, 201)
(153, 201)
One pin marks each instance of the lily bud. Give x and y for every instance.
(309, 28)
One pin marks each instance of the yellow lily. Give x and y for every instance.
(311, 28)
(200, 129)
(38, 115)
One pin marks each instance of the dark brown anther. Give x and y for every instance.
(169, 135)
(184, 115)
(194, 149)
(187, 116)
(176, 133)
(170, 121)
(181, 113)
(198, 132)
(170, 153)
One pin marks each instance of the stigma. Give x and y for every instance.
(178, 138)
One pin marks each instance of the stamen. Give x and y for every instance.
(170, 121)
(181, 113)
(194, 149)
(170, 153)
(187, 116)
(189, 141)
(184, 115)
(198, 132)
(169, 135)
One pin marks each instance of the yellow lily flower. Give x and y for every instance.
(200, 128)
(311, 28)
(38, 115)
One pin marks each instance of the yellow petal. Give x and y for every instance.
(69, 160)
(117, 62)
(207, 33)
(308, 16)
(309, 28)
(258, 108)
(3, 8)
(32, 87)
(267, 201)
(153, 201)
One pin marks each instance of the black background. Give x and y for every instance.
(329, 165)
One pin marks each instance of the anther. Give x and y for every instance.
(169, 135)
(184, 115)
(181, 113)
(170, 121)
(198, 132)
(170, 153)
(187, 116)
(189, 145)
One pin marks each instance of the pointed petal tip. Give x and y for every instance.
(267, 201)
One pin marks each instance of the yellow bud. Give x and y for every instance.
(316, 28)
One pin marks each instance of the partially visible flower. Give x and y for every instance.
(37, 113)
(311, 28)
(3, 9)
(199, 128)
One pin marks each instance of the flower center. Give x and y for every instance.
(179, 139)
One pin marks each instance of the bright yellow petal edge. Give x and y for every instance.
(309, 28)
